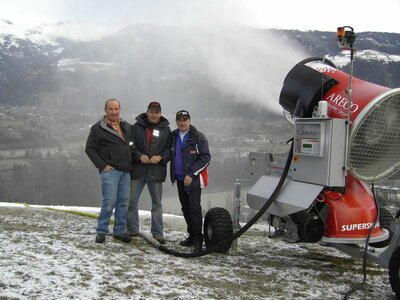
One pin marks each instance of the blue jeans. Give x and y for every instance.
(115, 187)
(155, 190)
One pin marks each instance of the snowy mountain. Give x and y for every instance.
(370, 46)
(9, 28)
(180, 65)
(49, 33)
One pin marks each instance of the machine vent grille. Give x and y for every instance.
(374, 143)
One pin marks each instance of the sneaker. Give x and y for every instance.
(100, 238)
(159, 238)
(186, 242)
(124, 237)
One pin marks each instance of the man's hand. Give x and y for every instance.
(144, 159)
(187, 181)
(108, 168)
(155, 159)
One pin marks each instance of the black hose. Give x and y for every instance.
(245, 227)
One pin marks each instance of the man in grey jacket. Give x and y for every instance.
(151, 136)
(108, 147)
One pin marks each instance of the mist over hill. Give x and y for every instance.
(204, 69)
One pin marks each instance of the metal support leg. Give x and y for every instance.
(236, 212)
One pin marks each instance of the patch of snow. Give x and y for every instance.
(71, 64)
(50, 32)
(377, 56)
(174, 77)
(58, 50)
(9, 28)
(343, 58)
(10, 204)
(52, 255)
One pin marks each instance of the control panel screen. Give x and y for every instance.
(309, 146)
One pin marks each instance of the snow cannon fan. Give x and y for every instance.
(374, 139)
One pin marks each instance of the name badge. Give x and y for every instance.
(156, 132)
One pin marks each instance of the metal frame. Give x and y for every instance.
(382, 258)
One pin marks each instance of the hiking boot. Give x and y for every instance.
(198, 245)
(133, 234)
(186, 242)
(124, 237)
(159, 238)
(100, 238)
(197, 248)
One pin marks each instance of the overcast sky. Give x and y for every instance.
(363, 15)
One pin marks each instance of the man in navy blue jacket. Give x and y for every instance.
(190, 159)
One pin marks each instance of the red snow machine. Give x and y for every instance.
(346, 137)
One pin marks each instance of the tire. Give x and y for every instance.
(217, 227)
(385, 219)
(394, 272)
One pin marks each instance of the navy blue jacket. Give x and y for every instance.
(195, 158)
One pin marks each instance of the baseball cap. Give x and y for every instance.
(154, 105)
(182, 114)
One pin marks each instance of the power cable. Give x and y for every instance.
(361, 286)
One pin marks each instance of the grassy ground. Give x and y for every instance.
(52, 255)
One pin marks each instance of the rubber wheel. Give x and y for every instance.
(217, 227)
(385, 219)
(394, 272)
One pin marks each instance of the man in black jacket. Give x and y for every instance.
(190, 159)
(108, 147)
(151, 136)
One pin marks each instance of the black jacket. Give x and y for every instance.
(195, 158)
(105, 147)
(160, 145)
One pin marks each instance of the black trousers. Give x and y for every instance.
(192, 213)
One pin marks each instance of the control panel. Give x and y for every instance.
(310, 138)
(319, 151)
